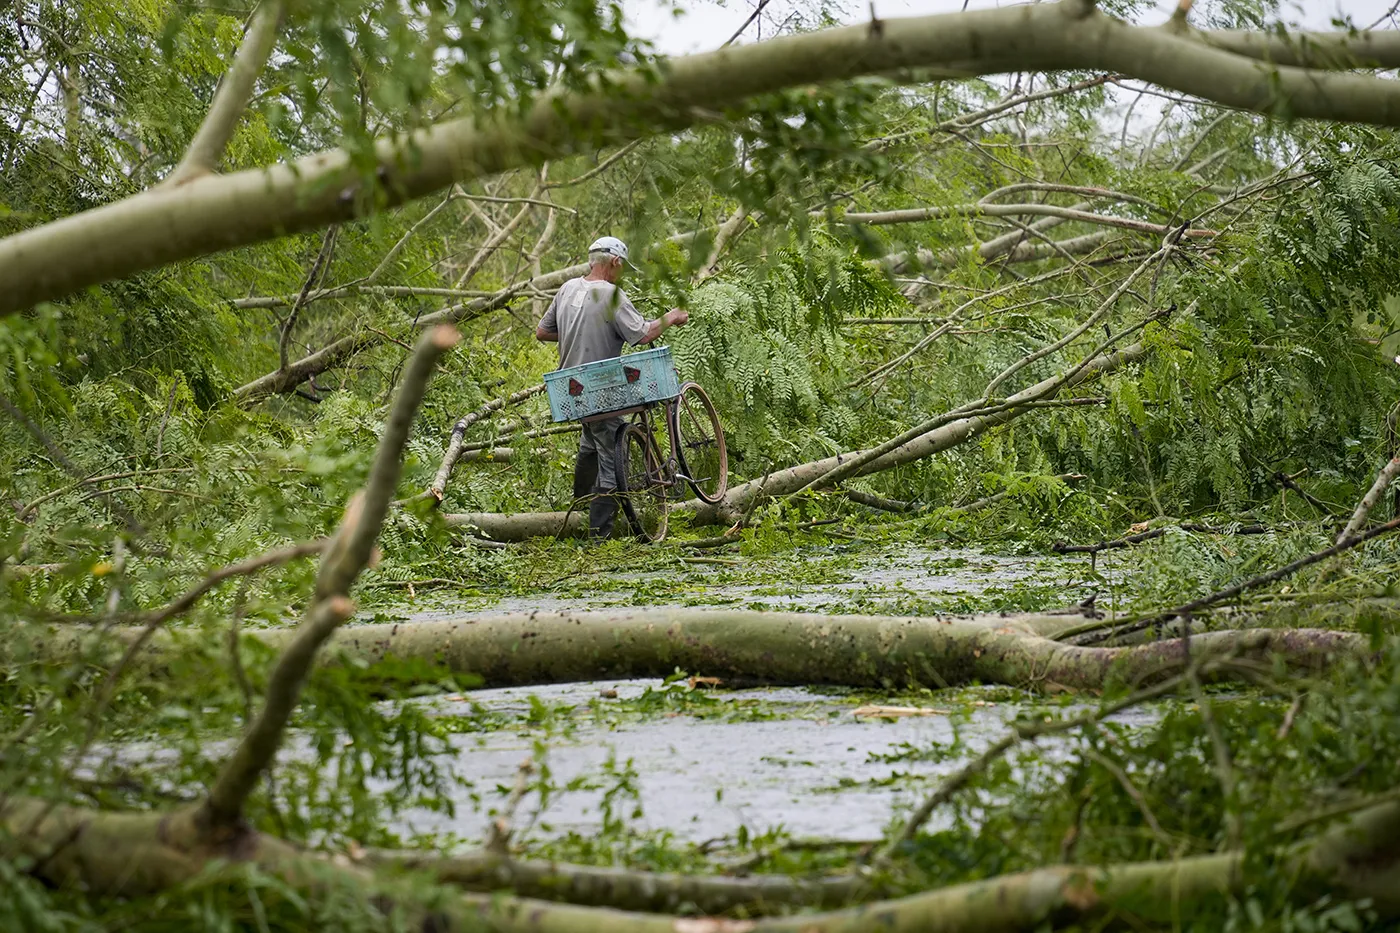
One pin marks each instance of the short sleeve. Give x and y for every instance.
(550, 322)
(628, 321)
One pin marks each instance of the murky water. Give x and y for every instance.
(815, 768)
(819, 579)
(704, 765)
(791, 758)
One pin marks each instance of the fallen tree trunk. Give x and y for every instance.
(780, 648)
(498, 526)
(124, 854)
(137, 854)
(596, 886)
(798, 648)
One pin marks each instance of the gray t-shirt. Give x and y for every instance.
(593, 319)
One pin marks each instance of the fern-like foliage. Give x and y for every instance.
(768, 346)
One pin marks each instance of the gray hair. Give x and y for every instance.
(599, 257)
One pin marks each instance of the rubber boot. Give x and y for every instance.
(585, 473)
(602, 514)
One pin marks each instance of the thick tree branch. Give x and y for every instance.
(625, 889)
(459, 430)
(214, 213)
(1369, 501)
(918, 215)
(726, 232)
(232, 96)
(360, 288)
(1354, 860)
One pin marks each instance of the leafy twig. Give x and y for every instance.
(1114, 629)
(1020, 732)
(313, 278)
(1132, 791)
(1224, 765)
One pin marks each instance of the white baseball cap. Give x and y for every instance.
(612, 246)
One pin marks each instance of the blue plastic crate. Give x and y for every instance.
(612, 385)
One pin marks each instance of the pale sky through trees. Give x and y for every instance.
(707, 24)
(704, 25)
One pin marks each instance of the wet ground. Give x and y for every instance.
(705, 763)
(800, 760)
(898, 579)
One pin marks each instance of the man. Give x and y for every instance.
(591, 318)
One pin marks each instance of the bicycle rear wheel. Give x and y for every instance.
(640, 483)
(699, 440)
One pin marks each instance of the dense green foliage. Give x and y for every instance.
(133, 465)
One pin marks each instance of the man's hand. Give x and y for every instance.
(673, 318)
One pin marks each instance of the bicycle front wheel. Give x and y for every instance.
(640, 484)
(699, 442)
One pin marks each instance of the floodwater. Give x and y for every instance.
(796, 759)
(877, 580)
(814, 769)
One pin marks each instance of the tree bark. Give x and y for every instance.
(211, 213)
(459, 430)
(796, 648)
(1068, 214)
(1369, 501)
(498, 526)
(623, 889)
(136, 854)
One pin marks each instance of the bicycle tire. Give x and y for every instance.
(695, 427)
(640, 484)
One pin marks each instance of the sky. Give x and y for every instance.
(706, 24)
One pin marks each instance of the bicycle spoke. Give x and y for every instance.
(699, 443)
(643, 483)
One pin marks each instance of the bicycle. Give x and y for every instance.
(696, 454)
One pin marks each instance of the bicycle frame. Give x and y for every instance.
(671, 475)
